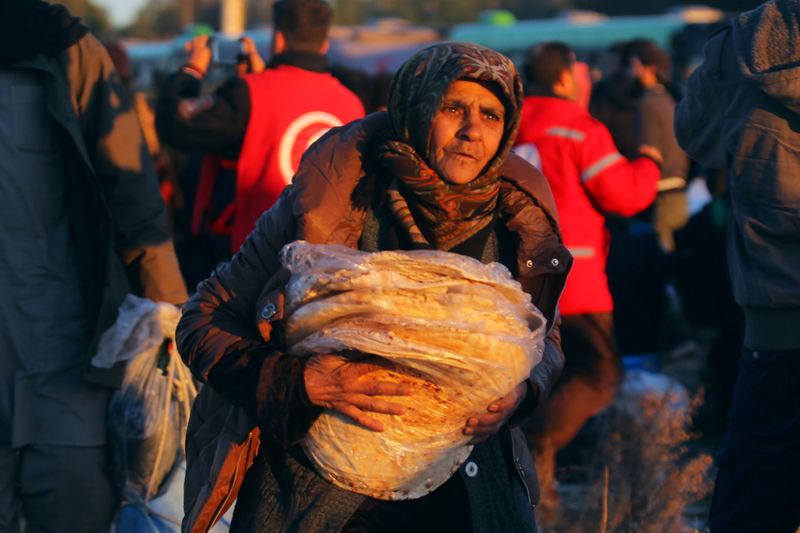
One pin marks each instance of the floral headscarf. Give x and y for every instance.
(448, 213)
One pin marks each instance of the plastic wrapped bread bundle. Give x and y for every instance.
(461, 332)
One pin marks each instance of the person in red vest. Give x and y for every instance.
(264, 121)
(589, 178)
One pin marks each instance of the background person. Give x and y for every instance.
(165, 169)
(263, 121)
(83, 224)
(589, 178)
(650, 67)
(614, 101)
(209, 178)
(741, 113)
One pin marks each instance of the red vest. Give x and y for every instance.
(290, 108)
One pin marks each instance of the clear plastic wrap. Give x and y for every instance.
(147, 416)
(462, 333)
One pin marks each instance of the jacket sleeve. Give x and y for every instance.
(612, 182)
(219, 340)
(123, 165)
(543, 377)
(546, 374)
(654, 121)
(214, 122)
(543, 264)
(698, 127)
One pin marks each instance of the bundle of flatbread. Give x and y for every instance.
(461, 332)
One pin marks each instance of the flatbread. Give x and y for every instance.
(416, 452)
(322, 270)
(481, 309)
(462, 333)
(444, 352)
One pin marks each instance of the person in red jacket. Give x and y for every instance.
(589, 178)
(264, 121)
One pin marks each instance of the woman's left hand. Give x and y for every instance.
(483, 426)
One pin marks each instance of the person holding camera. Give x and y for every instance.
(265, 120)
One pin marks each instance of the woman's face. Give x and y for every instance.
(466, 131)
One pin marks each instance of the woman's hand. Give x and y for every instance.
(339, 383)
(483, 426)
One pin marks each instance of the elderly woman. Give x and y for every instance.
(434, 171)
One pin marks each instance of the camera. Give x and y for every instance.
(243, 63)
(213, 45)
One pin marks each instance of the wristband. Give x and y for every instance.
(193, 71)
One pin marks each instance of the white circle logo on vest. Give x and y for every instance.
(299, 136)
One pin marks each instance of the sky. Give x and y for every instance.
(122, 12)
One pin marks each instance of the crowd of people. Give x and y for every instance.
(576, 179)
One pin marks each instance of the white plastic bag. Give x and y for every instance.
(165, 513)
(462, 333)
(148, 414)
(141, 325)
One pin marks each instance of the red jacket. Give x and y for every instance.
(588, 177)
(290, 108)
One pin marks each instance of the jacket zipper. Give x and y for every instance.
(521, 474)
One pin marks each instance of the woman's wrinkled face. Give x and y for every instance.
(466, 131)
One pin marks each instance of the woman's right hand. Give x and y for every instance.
(340, 384)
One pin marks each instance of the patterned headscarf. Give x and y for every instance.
(449, 213)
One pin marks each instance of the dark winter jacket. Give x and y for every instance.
(83, 224)
(224, 327)
(121, 231)
(658, 106)
(741, 113)
(614, 103)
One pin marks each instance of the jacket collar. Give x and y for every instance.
(31, 27)
(304, 60)
(530, 180)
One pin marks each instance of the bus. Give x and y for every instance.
(681, 31)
